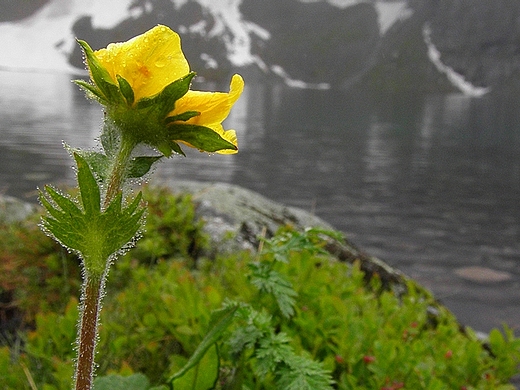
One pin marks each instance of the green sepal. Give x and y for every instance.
(92, 91)
(126, 90)
(164, 101)
(220, 320)
(100, 76)
(182, 117)
(168, 147)
(200, 137)
(140, 166)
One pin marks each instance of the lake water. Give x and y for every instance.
(427, 182)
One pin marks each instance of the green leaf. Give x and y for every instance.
(140, 166)
(94, 234)
(201, 376)
(65, 203)
(110, 138)
(302, 373)
(126, 90)
(118, 382)
(200, 137)
(98, 162)
(220, 321)
(271, 282)
(88, 186)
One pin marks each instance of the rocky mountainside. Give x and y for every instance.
(319, 44)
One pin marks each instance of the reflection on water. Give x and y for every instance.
(416, 179)
(37, 113)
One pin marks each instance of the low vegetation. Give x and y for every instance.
(302, 319)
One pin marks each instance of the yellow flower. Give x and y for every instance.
(145, 84)
(149, 62)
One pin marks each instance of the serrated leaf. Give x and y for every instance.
(94, 234)
(273, 350)
(200, 137)
(65, 203)
(201, 376)
(140, 166)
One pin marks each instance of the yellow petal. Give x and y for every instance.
(149, 62)
(214, 107)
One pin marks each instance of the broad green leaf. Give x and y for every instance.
(221, 319)
(200, 137)
(201, 376)
(118, 382)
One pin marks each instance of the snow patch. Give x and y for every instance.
(455, 78)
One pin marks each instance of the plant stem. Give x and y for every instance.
(93, 283)
(90, 308)
(119, 167)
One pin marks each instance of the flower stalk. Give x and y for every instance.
(119, 166)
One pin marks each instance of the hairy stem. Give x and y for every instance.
(93, 283)
(120, 164)
(87, 338)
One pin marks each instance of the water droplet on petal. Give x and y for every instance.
(160, 63)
